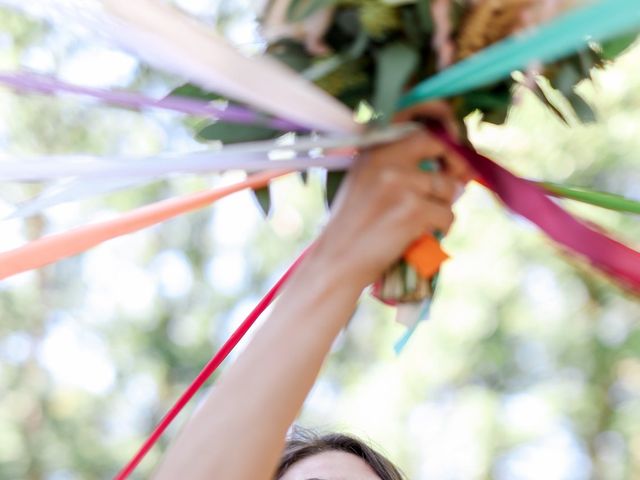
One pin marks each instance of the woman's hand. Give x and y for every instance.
(385, 204)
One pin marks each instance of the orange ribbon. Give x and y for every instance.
(56, 247)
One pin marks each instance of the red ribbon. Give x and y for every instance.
(207, 371)
(528, 200)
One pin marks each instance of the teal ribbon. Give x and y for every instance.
(561, 37)
(422, 316)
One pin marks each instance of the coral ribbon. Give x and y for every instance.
(56, 247)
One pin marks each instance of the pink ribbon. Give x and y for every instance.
(528, 200)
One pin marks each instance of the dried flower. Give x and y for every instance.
(378, 18)
(490, 21)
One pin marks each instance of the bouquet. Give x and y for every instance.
(368, 53)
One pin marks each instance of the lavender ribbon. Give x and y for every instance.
(31, 82)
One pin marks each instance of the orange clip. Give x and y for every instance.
(426, 256)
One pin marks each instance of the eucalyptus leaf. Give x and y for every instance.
(301, 9)
(263, 197)
(395, 63)
(334, 180)
(235, 133)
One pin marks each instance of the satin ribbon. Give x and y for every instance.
(57, 247)
(207, 371)
(530, 201)
(33, 82)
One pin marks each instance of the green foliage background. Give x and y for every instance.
(528, 368)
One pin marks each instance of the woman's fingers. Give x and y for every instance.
(439, 186)
(458, 167)
(418, 215)
(435, 110)
(411, 151)
(419, 147)
(442, 112)
(437, 217)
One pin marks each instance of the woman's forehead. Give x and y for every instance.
(331, 465)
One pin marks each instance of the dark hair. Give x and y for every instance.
(305, 443)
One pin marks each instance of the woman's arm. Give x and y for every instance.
(386, 203)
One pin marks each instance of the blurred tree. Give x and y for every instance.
(528, 369)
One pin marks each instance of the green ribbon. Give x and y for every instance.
(609, 201)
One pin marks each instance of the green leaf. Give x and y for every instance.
(486, 101)
(395, 63)
(349, 21)
(193, 91)
(334, 180)
(263, 197)
(291, 53)
(300, 9)
(235, 133)
(412, 26)
(583, 110)
(423, 8)
(616, 46)
(354, 97)
(494, 103)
